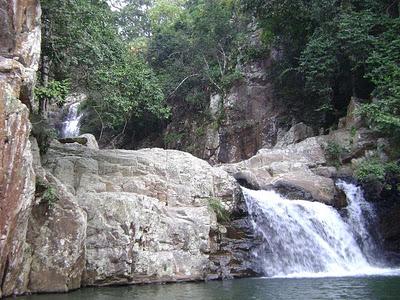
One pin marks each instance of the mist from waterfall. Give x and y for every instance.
(311, 239)
(71, 124)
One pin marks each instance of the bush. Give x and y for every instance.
(43, 132)
(55, 91)
(370, 171)
(223, 215)
(46, 193)
(172, 137)
(375, 171)
(334, 152)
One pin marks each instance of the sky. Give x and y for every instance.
(116, 4)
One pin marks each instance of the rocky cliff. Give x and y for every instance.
(240, 123)
(149, 217)
(19, 55)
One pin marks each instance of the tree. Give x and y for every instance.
(83, 44)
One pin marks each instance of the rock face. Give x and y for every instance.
(296, 134)
(288, 170)
(19, 55)
(247, 119)
(304, 170)
(253, 117)
(56, 235)
(148, 212)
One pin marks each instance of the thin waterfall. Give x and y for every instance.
(303, 239)
(71, 124)
(362, 219)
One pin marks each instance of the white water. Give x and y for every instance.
(310, 239)
(71, 125)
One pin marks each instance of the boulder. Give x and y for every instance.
(57, 235)
(91, 141)
(148, 211)
(296, 133)
(86, 139)
(290, 170)
(305, 185)
(352, 120)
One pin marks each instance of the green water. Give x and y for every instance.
(256, 288)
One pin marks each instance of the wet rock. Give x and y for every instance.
(305, 185)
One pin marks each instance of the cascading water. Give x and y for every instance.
(307, 239)
(361, 218)
(71, 125)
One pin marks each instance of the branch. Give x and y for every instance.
(182, 82)
(223, 55)
(209, 77)
(102, 124)
(390, 6)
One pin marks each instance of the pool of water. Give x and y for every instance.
(371, 287)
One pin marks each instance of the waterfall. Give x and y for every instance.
(307, 239)
(71, 124)
(361, 218)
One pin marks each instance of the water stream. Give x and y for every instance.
(311, 239)
(71, 124)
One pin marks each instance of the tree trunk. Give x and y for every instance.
(393, 9)
(45, 62)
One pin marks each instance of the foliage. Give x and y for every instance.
(129, 90)
(334, 152)
(215, 205)
(50, 196)
(42, 131)
(83, 42)
(46, 192)
(384, 111)
(370, 170)
(55, 91)
(373, 170)
(333, 50)
(133, 20)
(194, 53)
(172, 137)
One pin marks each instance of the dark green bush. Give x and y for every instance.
(373, 170)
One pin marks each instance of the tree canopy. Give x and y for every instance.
(140, 61)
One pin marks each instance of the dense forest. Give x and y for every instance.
(143, 63)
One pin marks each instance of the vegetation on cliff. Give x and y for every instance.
(333, 50)
(151, 57)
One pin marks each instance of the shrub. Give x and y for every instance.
(374, 170)
(370, 171)
(215, 204)
(55, 91)
(42, 131)
(334, 152)
(172, 137)
(46, 193)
